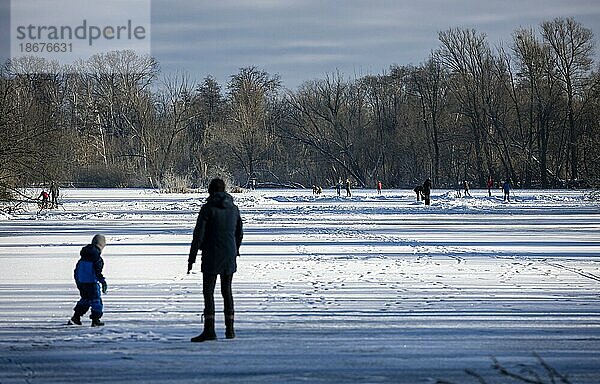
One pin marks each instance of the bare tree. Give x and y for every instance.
(112, 110)
(466, 54)
(429, 82)
(250, 92)
(32, 136)
(209, 110)
(327, 115)
(176, 114)
(573, 47)
(539, 82)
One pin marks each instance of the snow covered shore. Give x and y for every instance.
(346, 290)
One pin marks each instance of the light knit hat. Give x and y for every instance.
(99, 241)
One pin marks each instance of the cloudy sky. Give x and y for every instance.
(305, 39)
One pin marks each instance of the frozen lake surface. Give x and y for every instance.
(366, 289)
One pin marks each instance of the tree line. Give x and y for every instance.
(527, 110)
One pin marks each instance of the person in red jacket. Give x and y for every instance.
(45, 198)
(379, 187)
(490, 184)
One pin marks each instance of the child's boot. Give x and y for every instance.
(75, 320)
(97, 323)
(78, 311)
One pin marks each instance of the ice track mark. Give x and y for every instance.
(587, 275)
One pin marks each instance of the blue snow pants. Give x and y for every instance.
(90, 297)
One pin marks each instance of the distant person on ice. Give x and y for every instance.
(218, 233)
(427, 192)
(506, 189)
(466, 188)
(338, 187)
(348, 193)
(379, 187)
(419, 191)
(490, 185)
(54, 191)
(44, 197)
(88, 277)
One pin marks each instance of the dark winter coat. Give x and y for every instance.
(427, 188)
(218, 233)
(54, 190)
(88, 272)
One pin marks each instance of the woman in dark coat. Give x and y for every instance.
(218, 233)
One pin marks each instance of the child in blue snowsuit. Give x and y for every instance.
(88, 277)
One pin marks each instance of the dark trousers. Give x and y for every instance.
(90, 297)
(209, 281)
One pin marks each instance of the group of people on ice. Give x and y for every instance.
(49, 199)
(505, 186)
(424, 191)
(338, 187)
(347, 186)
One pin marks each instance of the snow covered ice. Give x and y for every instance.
(364, 289)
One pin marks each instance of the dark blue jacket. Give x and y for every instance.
(427, 187)
(218, 233)
(89, 267)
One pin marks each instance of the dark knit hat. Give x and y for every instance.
(216, 185)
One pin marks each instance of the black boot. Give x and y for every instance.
(97, 323)
(75, 320)
(229, 331)
(209, 330)
(77, 313)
